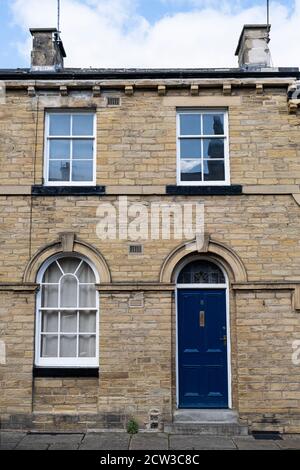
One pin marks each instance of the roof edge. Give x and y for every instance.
(141, 74)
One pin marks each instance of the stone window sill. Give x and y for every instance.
(232, 190)
(40, 190)
(64, 372)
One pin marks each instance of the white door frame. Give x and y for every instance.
(199, 287)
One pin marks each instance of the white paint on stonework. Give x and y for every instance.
(296, 353)
(2, 353)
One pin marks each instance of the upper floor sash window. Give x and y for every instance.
(70, 154)
(202, 147)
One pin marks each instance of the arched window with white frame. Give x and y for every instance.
(67, 326)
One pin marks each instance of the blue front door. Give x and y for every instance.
(202, 348)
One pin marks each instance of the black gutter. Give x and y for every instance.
(26, 74)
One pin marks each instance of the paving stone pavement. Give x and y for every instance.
(142, 441)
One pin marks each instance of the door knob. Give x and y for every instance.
(202, 319)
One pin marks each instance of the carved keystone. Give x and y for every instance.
(202, 242)
(67, 240)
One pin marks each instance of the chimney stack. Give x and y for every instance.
(48, 52)
(253, 50)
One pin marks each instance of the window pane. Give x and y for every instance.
(59, 170)
(68, 322)
(87, 346)
(87, 322)
(50, 322)
(201, 272)
(49, 346)
(82, 171)
(86, 274)
(190, 148)
(190, 170)
(190, 124)
(53, 273)
(87, 296)
(213, 124)
(69, 265)
(68, 292)
(213, 148)
(49, 296)
(83, 148)
(83, 124)
(68, 346)
(215, 171)
(60, 124)
(59, 149)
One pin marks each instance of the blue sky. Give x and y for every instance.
(149, 24)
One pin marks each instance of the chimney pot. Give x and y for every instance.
(48, 52)
(253, 50)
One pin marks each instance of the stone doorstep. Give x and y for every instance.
(209, 422)
(205, 416)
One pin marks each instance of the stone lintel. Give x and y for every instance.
(202, 101)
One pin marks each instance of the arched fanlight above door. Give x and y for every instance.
(201, 271)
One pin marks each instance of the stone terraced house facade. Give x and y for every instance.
(93, 331)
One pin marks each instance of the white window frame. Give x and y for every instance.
(48, 138)
(63, 362)
(225, 136)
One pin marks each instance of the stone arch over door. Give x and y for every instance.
(216, 250)
(222, 255)
(67, 243)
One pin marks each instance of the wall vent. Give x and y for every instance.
(113, 101)
(136, 249)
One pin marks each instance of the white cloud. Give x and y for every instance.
(110, 33)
